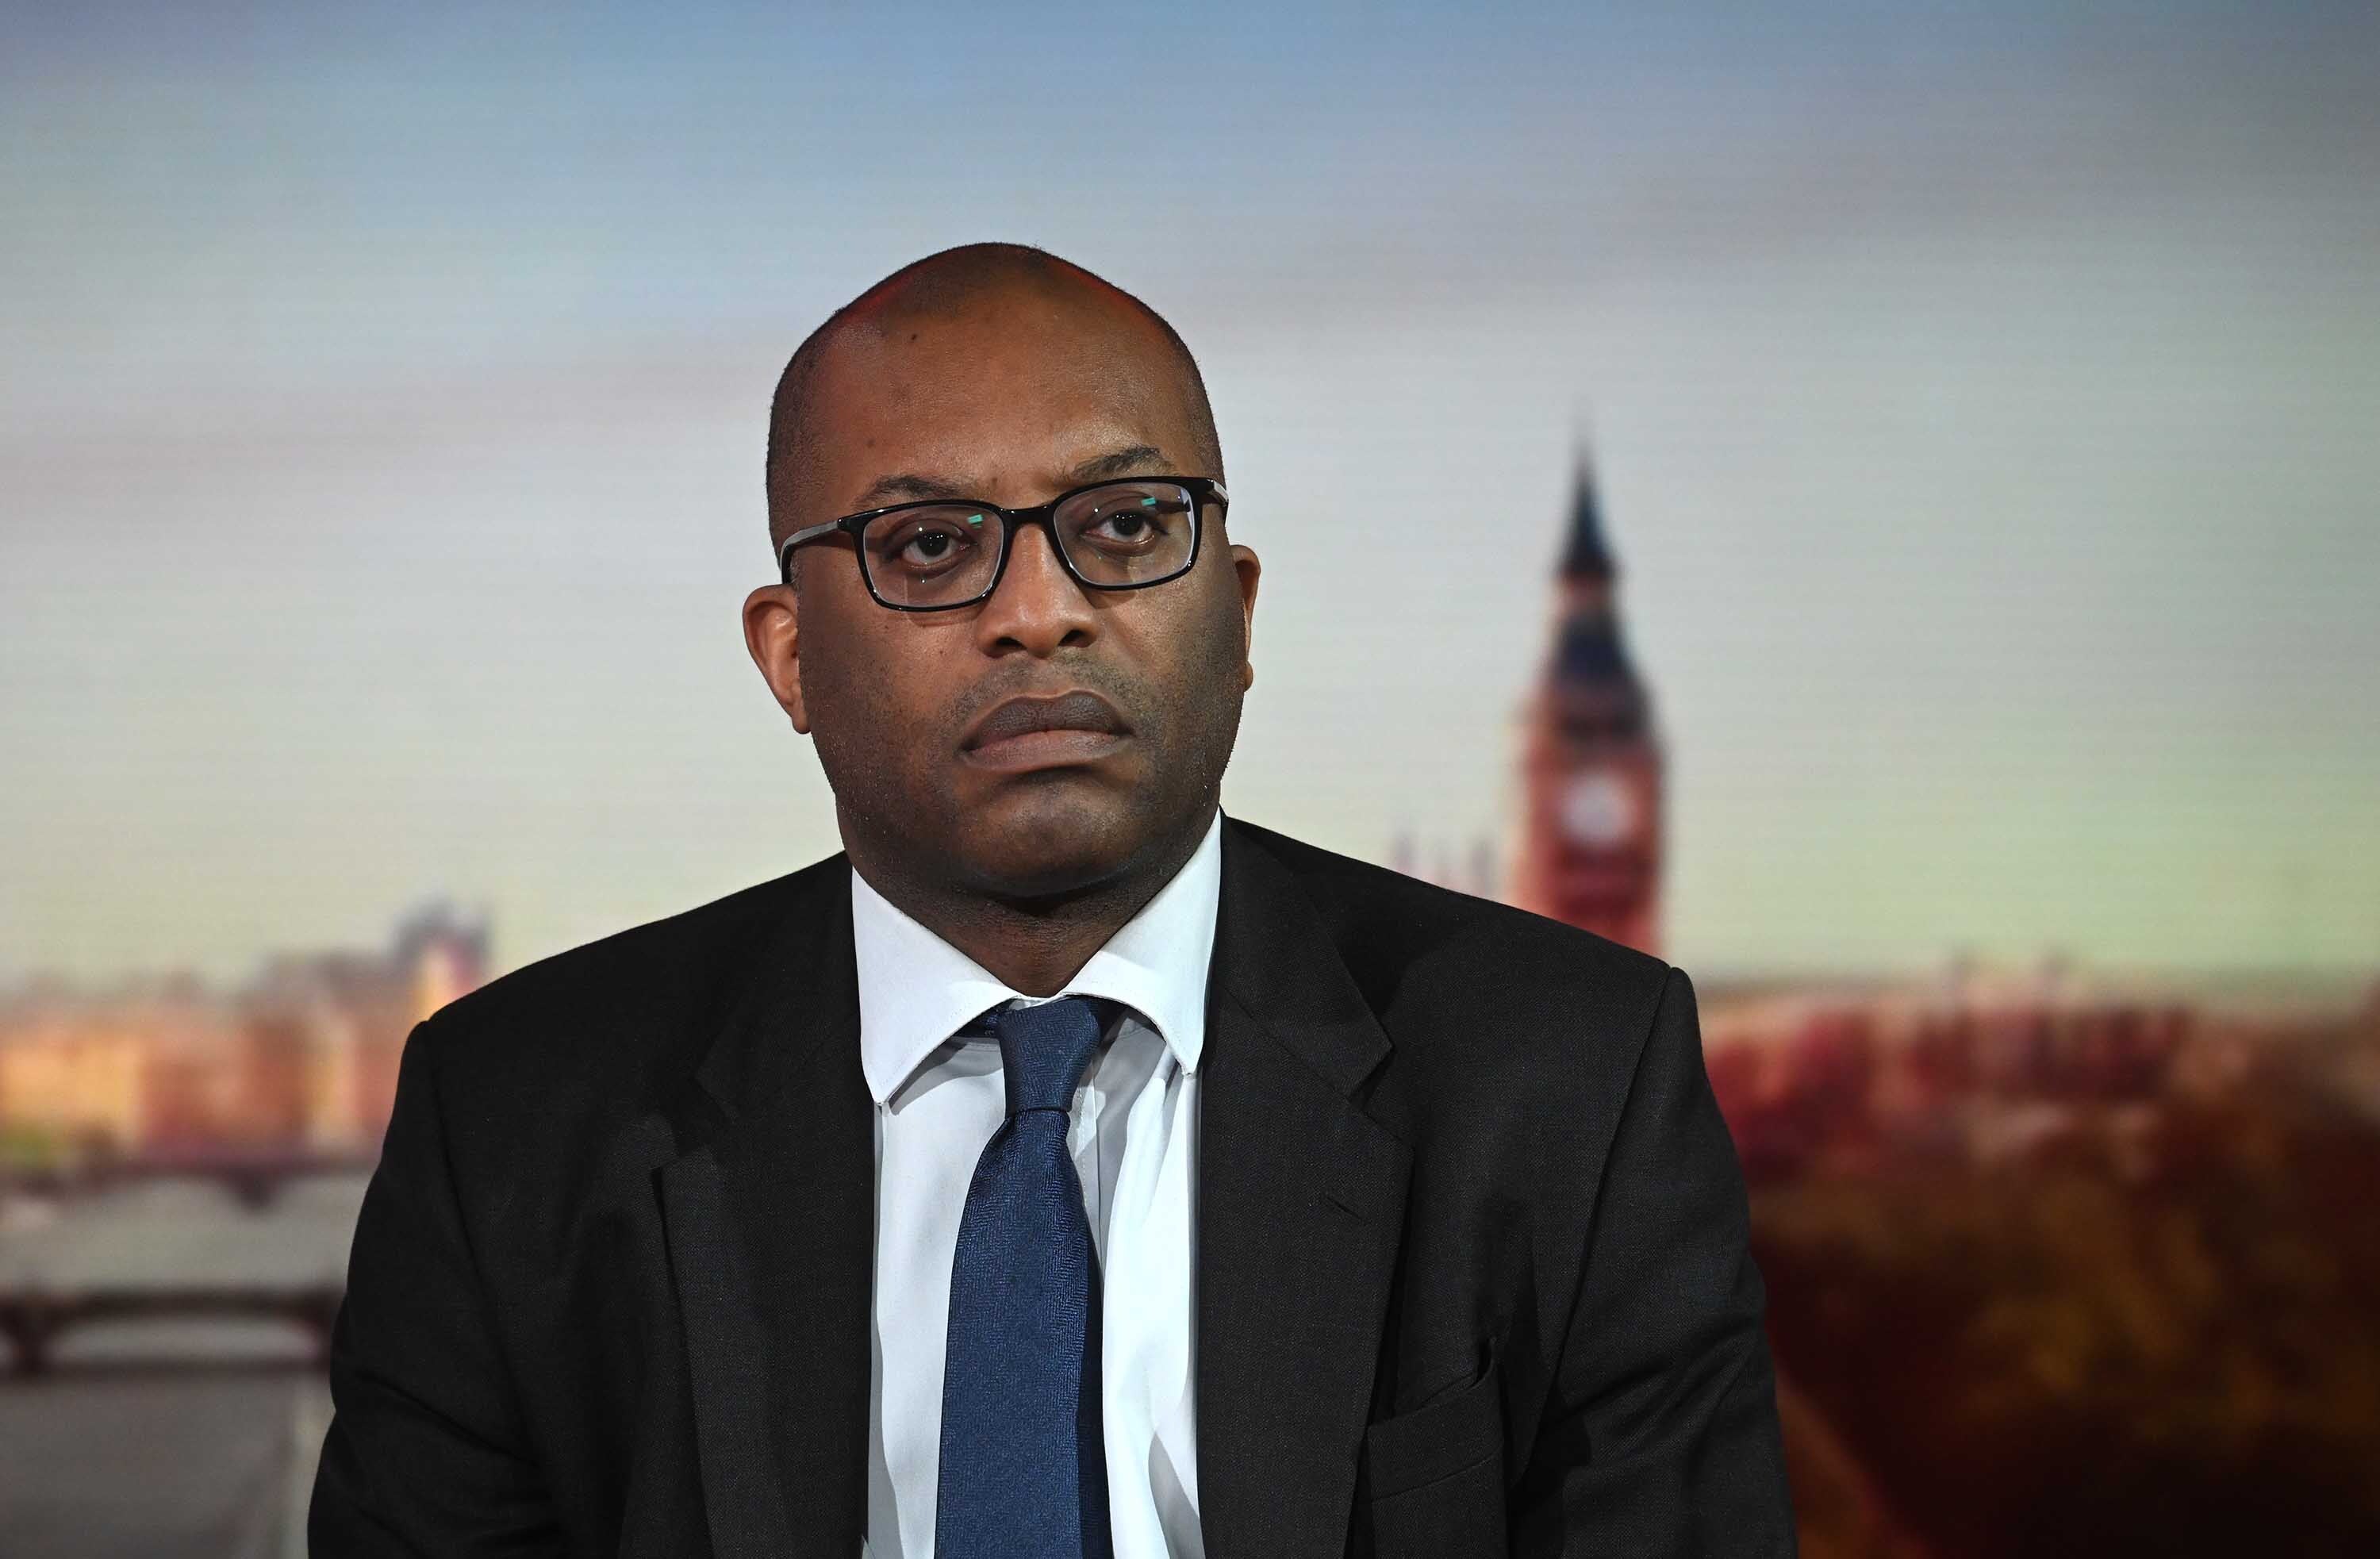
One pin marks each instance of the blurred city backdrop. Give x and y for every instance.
(1872, 504)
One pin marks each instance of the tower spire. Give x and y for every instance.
(1585, 556)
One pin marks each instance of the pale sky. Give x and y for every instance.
(1985, 398)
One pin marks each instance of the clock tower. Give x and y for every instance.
(1591, 828)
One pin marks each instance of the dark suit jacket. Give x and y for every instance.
(1472, 1267)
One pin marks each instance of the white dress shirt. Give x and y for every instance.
(1132, 1132)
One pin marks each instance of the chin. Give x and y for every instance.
(1035, 844)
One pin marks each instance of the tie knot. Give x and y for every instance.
(1043, 1050)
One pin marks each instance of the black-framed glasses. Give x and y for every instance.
(938, 554)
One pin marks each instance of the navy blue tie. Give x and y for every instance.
(1024, 1465)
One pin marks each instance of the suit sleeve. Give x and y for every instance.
(424, 1454)
(1661, 1435)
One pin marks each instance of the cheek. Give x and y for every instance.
(1227, 634)
(1206, 675)
(864, 719)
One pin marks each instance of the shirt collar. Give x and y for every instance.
(915, 990)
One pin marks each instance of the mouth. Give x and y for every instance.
(1043, 749)
(1074, 727)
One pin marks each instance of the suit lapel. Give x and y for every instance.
(770, 1220)
(1301, 1197)
(770, 1216)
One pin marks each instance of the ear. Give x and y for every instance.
(773, 633)
(1246, 568)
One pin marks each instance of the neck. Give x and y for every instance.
(1031, 944)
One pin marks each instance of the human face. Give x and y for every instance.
(1011, 402)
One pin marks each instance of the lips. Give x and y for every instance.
(1078, 711)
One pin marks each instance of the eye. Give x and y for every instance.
(928, 540)
(931, 546)
(1133, 521)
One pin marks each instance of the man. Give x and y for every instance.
(1063, 1167)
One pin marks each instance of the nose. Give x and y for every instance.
(1038, 604)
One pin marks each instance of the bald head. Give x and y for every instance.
(1042, 302)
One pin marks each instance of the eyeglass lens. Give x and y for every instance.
(1121, 534)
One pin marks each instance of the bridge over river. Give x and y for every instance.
(161, 1388)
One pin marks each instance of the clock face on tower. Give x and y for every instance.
(1597, 809)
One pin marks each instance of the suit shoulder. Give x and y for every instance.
(634, 999)
(1389, 925)
(1504, 1024)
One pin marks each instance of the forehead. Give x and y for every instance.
(1010, 395)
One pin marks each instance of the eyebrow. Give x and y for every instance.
(907, 485)
(1122, 463)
